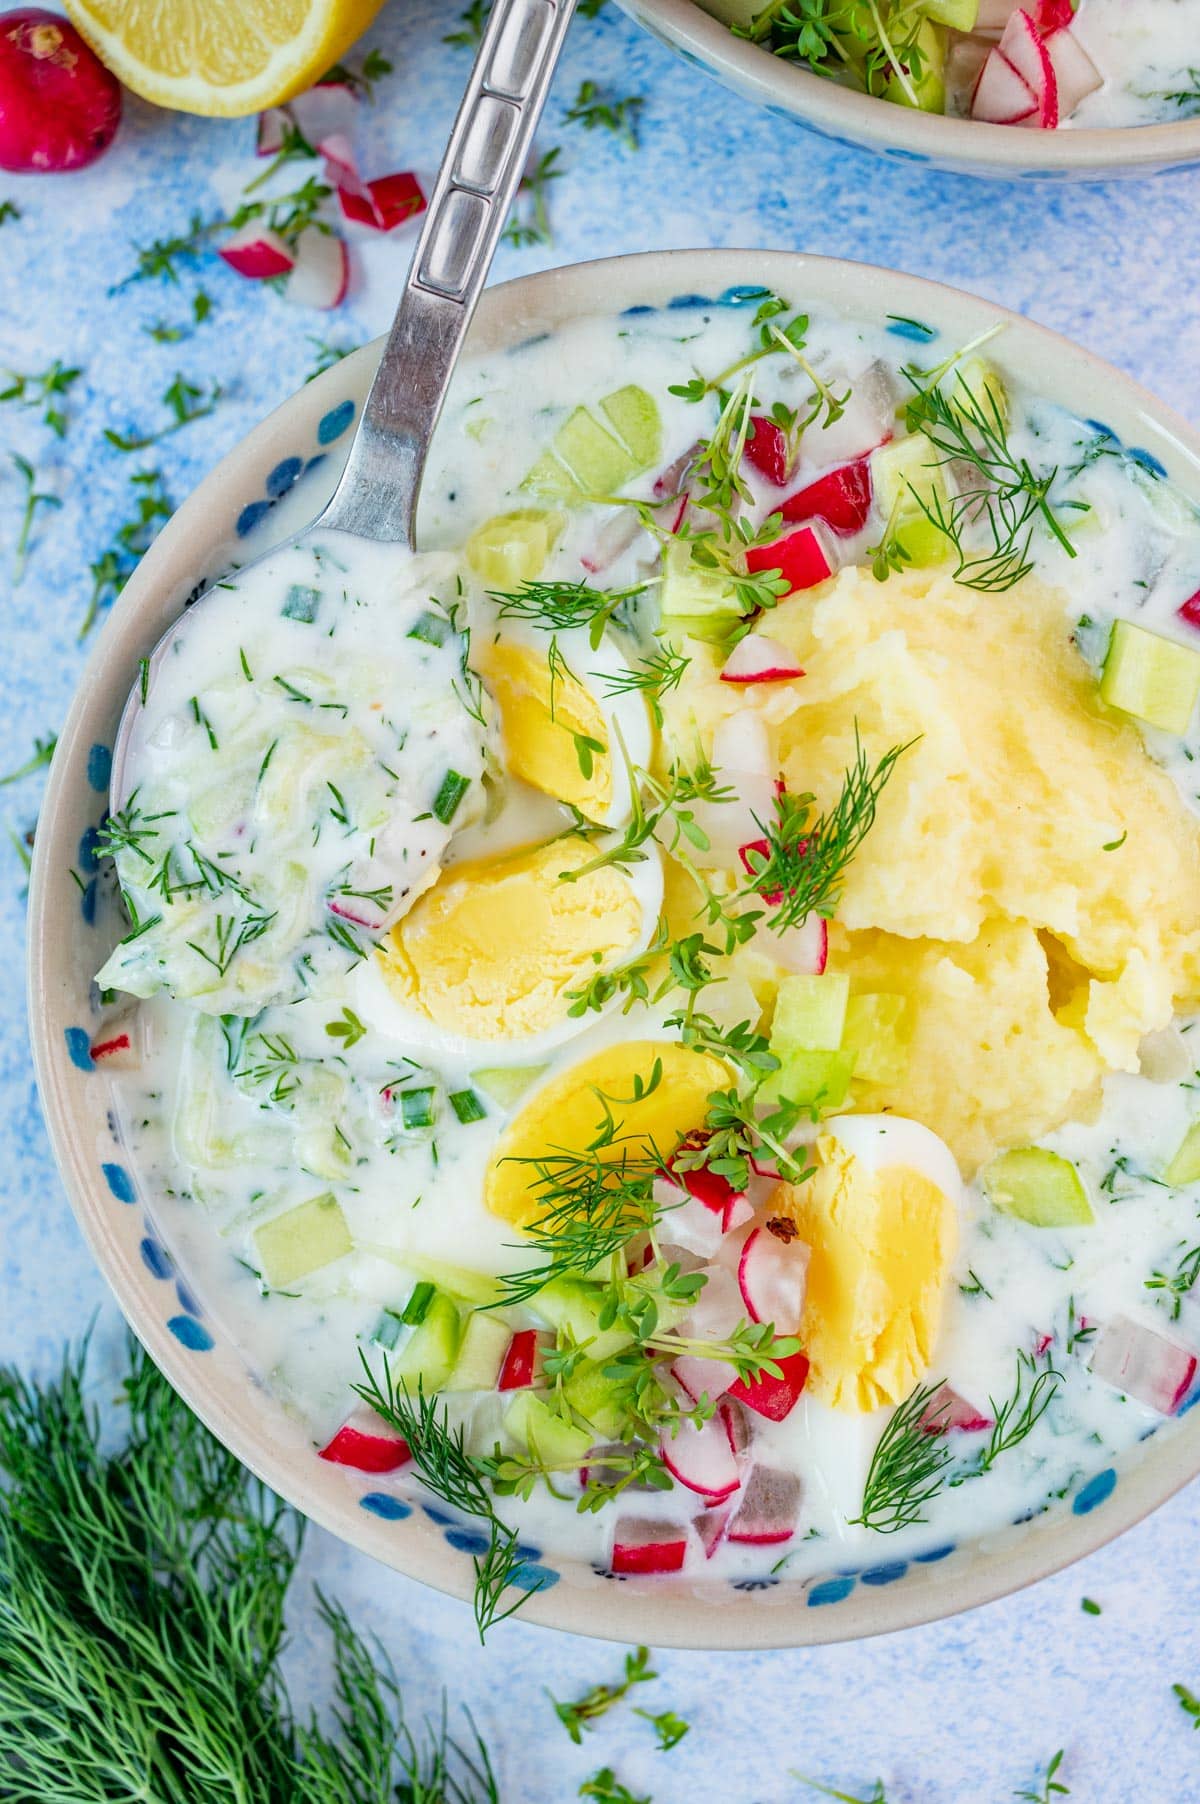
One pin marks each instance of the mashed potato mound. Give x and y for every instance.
(1032, 881)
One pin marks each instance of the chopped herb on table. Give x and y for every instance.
(580, 1715)
(606, 1788)
(150, 506)
(1051, 1787)
(530, 223)
(184, 401)
(38, 759)
(594, 109)
(46, 390)
(34, 498)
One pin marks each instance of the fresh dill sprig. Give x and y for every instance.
(878, 1795)
(1189, 1703)
(653, 677)
(558, 607)
(908, 1467)
(470, 30)
(34, 498)
(590, 1206)
(582, 1713)
(142, 1623)
(446, 1468)
(593, 109)
(1019, 1414)
(150, 506)
(802, 864)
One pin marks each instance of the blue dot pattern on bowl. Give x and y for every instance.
(99, 767)
(119, 1182)
(190, 1333)
(79, 1048)
(382, 1503)
(1094, 1492)
(287, 473)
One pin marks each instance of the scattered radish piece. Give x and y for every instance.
(946, 1409)
(257, 252)
(1074, 71)
(803, 948)
(367, 1443)
(522, 1362)
(327, 111)
(1145, 1365)
(322, 273)
(768, 1507)
(710, 1526)
(702, 1459)
(641, 1546)
(804, 558)
(774, 1398)
(272, 130)
(771, 1278)
(117, 1046)
(841, 498)
(759, 659)
(1024, 51)
(688, 1223)
(1002, 95)
(388, 202)
(768, 450)
(341, 169)
(59, 106)
(1190, 611)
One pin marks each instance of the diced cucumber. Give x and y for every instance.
(694, 602)
(906, 473)
(983, 382)
(506, 1084)
(572, 1304)
(810, 1013)
(555, 1442)
(1150, 677)
(386, 1331)
(960, 15)
(1038, 1187)
(418, 1108)
(551, 477)
(511, 549)
(811, 1077)
(301, 603)
(480, 1355)
(593, 1396)
(633, 416)
(878, 1032)
(598, 462)
(1185, 1166)
(301, 1240)
(458, 1280)
(428, 1356)
(928, 93)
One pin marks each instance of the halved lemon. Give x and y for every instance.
(222, 57)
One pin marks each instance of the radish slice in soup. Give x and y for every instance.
(366, 1442)
(768, 1507)
(771, 1277)
(701, 1458)
(946, 1410)
(646, 1546)
(1145, 1365)
(774, 1398)
(704, 1377)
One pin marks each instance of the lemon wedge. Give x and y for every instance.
(220, 57)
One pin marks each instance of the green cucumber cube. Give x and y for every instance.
(428, 1357)
(511, 549)
(811, 1077)
(480, 1355)
(575, 1305)
(878, 1032)
(1038, 1187)
(930, 89)
(633, 415)
(906, 474)
(549, 1437)
(1185, 1166)
(705, 599)
(1152, 678)
(301, 1240)
(983, 382)
(810, 1013)
(598, 462)
(593, 1396)
(506, 1084)
(960, 15)
(551, 477)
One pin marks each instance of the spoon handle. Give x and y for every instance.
(471, 202)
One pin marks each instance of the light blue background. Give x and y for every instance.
(966, 1710)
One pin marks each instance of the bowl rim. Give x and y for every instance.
(1098, 151)
(662, 1612)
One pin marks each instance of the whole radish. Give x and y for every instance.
(59, 106)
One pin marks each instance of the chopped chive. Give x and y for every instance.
(246, 670)
(301, 604)
(451, 793)
(467, 1106)
(143, 678)
(1089, 1606)
(416, 1107)
(417, 1307)
(431, 629)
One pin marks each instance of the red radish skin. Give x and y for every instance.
(1144, 1364)
(367, 1444)
(648, 1547)
(802, 558)
(321, 276)
(774, 1398)
(522, 1361)
(1190, 611)
(360, 913)
(947, 1410)
(803, 948)
(771, 1278)
(841, 498)
(710, 1527)
(1002, 95)
(1054, 15)
(1022, 48)
(702, 1459)
(59, 106)
(1074, 71)
(759, 659)
(389, 201)
(767, 451)
(767, 1510)
(257, 253)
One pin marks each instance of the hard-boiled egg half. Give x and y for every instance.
(881, 1218)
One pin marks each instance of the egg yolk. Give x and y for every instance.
(553, 729)
(493, 948)
(656, 1091)
(882, 1244)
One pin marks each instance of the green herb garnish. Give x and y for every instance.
(580, 1715)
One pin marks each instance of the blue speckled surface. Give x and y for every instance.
(963, 1712)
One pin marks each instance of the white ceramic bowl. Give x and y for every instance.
(294, 454)
(902, 133)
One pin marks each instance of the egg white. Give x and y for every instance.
(882, 1142)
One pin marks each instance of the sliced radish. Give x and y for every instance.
(738, 1211)
(739, 1429)
(1053, 16)
(710, 1526)
(709, 1188)
(804, 558)
(688, 1222)
(612, 541)
(360, 911)
(646, 1546)
(755, 856)
(703, 1377)
(1145, 1365)
(841, 498)
(758, 659)
(522, 1362)
(341, 169)
(771, 1278)
(329, 110)
(774, 1398)
(768, 450)
(946, 1409)
(1023, 49)
(803, 948)
(322, 273)
(388, 201)
(702, 1459)
(367, 1443)
(768, 1507)
(118, 1044)
(257, 252)
(718, 1309)
(1002, 96)
(994, 15)
(741, 753)
(1074, 71)
(867, 420)
(272, 129)
(1190, 611)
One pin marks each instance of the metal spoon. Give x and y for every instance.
(471, 201)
